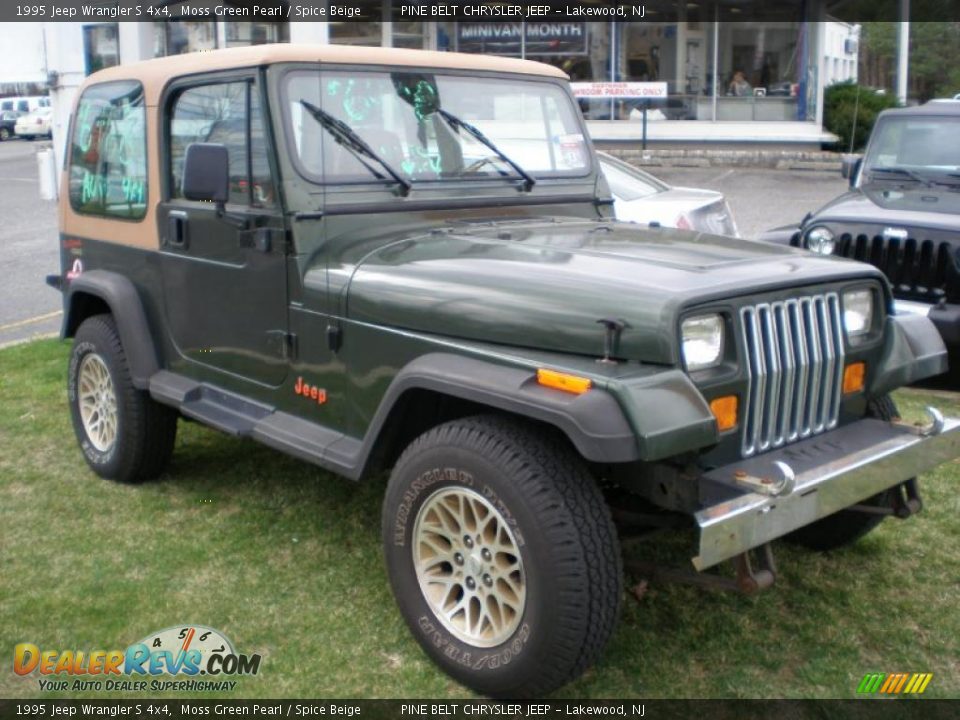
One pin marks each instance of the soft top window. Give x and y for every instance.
(108, 152)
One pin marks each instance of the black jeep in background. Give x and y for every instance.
(901, 215)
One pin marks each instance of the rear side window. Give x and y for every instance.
(108, 152)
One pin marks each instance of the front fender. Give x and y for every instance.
(646, 417)
(913, 350)
(592, 421)
(779, 236)
(123, 300)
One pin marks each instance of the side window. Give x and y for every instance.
(218, 114)
(108, 152)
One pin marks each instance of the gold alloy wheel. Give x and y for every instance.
(469, 567)
(97, 401)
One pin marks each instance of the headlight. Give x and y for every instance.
(702, 341)
(857, 312)
(820, 240)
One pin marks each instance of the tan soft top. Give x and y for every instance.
(154, 74)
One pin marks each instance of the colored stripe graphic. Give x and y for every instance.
(894, 683)
(871, 682)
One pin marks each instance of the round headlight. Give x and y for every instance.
(820, 240)
(702, 341)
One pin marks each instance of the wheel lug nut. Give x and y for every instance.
(468, 541)
(487, 580)
(485, 554)
(458, 559)
(471, 583)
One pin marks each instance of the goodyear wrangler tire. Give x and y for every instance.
(123, 433)
(502, 555)
(847, 526)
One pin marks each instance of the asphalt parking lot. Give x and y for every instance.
(760, 199)
(28, 247)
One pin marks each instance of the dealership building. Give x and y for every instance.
(731, 76)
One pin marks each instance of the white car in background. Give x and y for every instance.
(640, 197)
(35, 124)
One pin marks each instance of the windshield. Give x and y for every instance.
(927, 146)
(533, 124)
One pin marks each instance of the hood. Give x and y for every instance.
(912, 205)
(547, 284)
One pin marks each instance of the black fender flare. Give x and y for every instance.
(121, 296)
(594, 421)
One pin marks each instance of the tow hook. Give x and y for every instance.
(783, 484)
(935, 427)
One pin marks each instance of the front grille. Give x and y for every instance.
(795, 366)
(916, 268)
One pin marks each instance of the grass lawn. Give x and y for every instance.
(285, 560)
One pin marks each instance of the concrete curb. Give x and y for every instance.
(772, 159)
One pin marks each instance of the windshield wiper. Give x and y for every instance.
(456, 123)
(348, 138)
(904, 171)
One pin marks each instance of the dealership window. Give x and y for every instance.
(762, 71)
(100, 47)
(108, 152)
(184, 36)
(367, 32)
(240, 34)
(729, 70)
(408, 33)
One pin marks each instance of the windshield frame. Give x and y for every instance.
(507, 181)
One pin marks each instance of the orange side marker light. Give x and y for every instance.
(563, 381)
(724, 409)
(854, 375)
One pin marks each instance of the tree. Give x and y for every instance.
(934, 58)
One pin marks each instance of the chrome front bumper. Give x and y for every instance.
(813, 478)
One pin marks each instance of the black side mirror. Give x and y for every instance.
(850, 167)
(206, 173)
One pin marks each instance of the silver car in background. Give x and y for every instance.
(640, 197)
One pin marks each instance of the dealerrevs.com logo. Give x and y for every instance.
(199, 657)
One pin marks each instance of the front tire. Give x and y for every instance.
(847, 526)
(4, 134)
(502, 555)
(123, 433)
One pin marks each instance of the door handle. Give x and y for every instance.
(177, 229)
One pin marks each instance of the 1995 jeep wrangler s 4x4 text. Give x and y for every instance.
(375, 259)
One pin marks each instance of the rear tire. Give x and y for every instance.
(4, 134)
(847, 526)
(123, 433)
(502, 555)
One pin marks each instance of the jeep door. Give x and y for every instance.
(224, 274)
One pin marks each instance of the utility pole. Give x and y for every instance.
(903, 51)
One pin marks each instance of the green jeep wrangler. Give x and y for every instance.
(383, 259)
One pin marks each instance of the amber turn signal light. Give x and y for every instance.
(562, 381)
(853, 377)
(724, 409)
